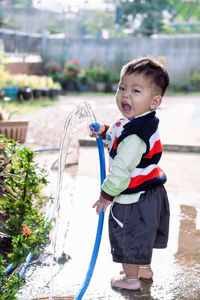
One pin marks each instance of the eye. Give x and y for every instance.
(135, 91)
(121, 88)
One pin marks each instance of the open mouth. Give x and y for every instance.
(126, 108)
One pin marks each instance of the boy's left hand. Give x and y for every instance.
(100, 204)
(95, 134)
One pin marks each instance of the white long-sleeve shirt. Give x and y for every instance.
(129, 153)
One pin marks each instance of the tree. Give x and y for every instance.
(150, 16)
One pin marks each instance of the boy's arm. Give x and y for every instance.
(129, 153)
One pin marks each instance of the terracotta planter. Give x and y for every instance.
(16, 130)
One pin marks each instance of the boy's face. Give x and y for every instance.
(136, 95)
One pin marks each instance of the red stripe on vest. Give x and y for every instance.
(157, 148)
(136, 181)
(115, 144)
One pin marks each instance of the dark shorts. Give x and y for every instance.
(142, 226)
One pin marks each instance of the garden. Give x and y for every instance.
(74, 77)
(26, 87)
(23, 227)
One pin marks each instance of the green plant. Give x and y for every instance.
(8, 284)
(27, 183)
(83, 76)
(70, 71)
(97, 73)
(113, 76)
(5, 189)
(21, 182)
(194, 80)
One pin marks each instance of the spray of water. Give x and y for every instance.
(82, 115)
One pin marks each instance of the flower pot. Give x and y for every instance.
(11, 91)
(45, 92)
(114, 86)
(83, 87)
(53, 93)
(37, 93)
(25, 93)
(69, 85)
(16, 130)
(100, 86)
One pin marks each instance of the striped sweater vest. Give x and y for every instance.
(147, 173)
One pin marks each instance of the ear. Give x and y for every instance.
(156, 102)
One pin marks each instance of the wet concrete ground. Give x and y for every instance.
(176, 268)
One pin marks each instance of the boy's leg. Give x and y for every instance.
(129, 280)
(144, 272)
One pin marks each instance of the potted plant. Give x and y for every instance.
(7, 83)
(53, 69)
(54, 87)
(25, 91)
(12, 129)
(69, 75)
(113, 79)
(10, 87)
(99, 76)
(83, 80)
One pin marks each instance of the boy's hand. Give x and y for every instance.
(95, 134)
(100, 204)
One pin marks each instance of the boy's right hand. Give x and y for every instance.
(95, 134)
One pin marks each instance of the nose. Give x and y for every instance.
(126, 93)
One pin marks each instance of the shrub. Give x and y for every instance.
(97, 73)
(194, 80)
(21, 182)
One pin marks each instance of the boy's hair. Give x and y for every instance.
(151, 68)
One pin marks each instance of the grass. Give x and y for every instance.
(18, 108)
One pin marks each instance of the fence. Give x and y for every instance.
(181, 51)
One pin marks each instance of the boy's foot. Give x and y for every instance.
(124, 282)
(144, 272)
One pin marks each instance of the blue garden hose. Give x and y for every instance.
(100, 222)
(99, 227)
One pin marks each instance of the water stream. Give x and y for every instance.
(82, 115)
(54, 255)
